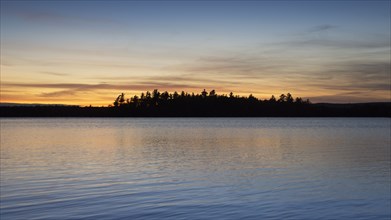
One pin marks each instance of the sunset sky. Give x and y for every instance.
(87, 52)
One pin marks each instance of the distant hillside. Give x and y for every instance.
(5, 104)
(343, 105)
(205, 110)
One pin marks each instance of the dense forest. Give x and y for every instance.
(205, 104)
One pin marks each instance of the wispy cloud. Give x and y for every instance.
(323, 27)
(40, 16)
(335, 37)
(51, 17)
(349, 97)
(189, 78)
(71, 89)
(335, 43)
(54, 73)
(231, 65)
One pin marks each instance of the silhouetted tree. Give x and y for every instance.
(135, 100)
(289, 98)
(155, 95)
(148, 95)
(204, 93)
(272, 99)
(282, 98)
(119, 100)
(175, 96)
(165, 96)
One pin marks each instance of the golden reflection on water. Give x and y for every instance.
(102, 143)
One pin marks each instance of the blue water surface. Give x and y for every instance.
(195, 168)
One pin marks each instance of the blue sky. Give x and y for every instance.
(64, 51)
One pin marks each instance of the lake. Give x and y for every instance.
(195, 168)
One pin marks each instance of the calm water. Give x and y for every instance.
(225, 168)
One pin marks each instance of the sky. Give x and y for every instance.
(88, 52)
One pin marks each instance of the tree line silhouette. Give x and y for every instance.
(205, 104)
(157, 97)
(158, 103)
